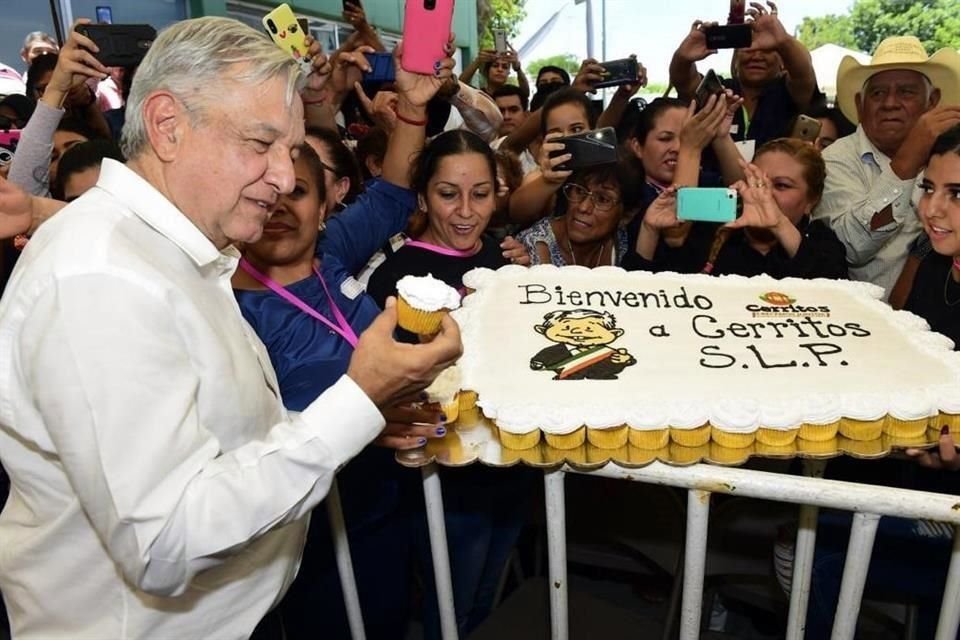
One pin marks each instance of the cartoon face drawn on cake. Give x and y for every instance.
(582, 350)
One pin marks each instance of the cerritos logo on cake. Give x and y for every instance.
(777, 299)
(782, 305)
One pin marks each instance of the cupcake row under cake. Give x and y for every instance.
(731, 424)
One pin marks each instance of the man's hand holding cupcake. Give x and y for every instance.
(391, 372)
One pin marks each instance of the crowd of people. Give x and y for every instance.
(206, 335)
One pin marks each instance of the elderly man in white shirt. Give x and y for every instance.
(159, 487)
(902, 100)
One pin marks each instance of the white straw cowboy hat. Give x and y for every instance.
(899, 52)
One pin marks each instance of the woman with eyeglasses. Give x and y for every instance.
(591, 231)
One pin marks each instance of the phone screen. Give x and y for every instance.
(104, 15)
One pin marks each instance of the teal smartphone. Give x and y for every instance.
(706, 204)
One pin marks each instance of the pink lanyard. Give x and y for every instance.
(455, 253)
(344, 329)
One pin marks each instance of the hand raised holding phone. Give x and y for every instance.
(418, 88)
(552, 155)
(76, 63)
(760, 209)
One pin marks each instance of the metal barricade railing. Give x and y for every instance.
(811, 492)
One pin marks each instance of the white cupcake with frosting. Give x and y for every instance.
(910, 413)
(780, 422)
(649, 425)
(689, 424)
(422, 301)
(734, 423)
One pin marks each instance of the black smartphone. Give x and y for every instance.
(618, 72)
(588, 149)
(381, 65)
(729, 36)
(709, 86)
(121, 45)
(355, 3)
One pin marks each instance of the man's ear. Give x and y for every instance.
(617, 332)
(935, 96)
(164, 118)
(539, 328)
(858, 100)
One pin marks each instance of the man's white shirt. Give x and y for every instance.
(159, 487)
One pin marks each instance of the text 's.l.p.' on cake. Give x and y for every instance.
(614, 357)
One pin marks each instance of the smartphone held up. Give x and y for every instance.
(121, 45)
(619, 72)
(426, 31)
(590, 148)
(289, 35)
(707, 204)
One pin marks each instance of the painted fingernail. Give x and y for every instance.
(441, 431)
(421, 441)
(436, 65)
(945, 430)
(424, 395)
(443, 417)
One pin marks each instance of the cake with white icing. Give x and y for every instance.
(609, 356)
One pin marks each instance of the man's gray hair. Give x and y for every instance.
(39, 36)
(606, 318)
(192, 59)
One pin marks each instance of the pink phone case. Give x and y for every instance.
(425, 34)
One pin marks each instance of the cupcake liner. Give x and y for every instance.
(863, 448)
(608, 438)
(649, 440)
(599, 455)
(641, 456)
(425, 323)
(777, 437)
(697, 437)
(566, 441)
(902, 442)
(730, 440)
(906, 428)
(784, 451)
(720, 454)
(863, 430)
(817, 447)
(468, 399)
(451, 410)
(682, 455)
(818, 432)
(951, 420)
(520, 441)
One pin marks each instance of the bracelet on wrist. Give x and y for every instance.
(410, 121)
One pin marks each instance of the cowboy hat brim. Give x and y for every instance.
(942, 68)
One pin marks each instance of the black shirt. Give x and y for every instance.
(414, 261)
(935, 296)
(821, 255)
(773, 114)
